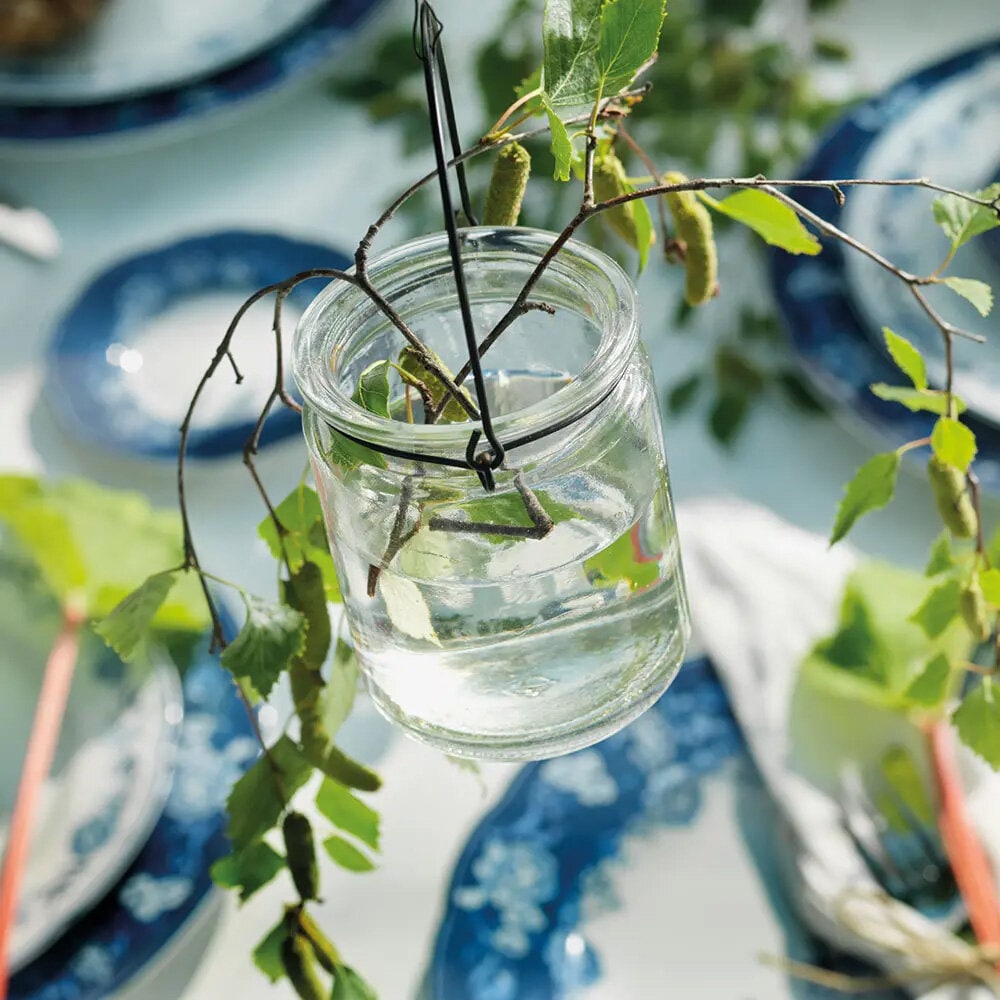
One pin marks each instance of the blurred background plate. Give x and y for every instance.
(125, 359)
(133, 46)
(949, 131)
(306, 49)
(168, 880)
(831, 334)
(616, 870)
(112, 771)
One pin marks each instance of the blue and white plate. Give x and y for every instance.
(306, 49)
(646, 866)
(943, 123)
(169, 879)
(111, 773)
(125, 358)
(142, 45)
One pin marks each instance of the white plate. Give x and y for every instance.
(135, 46)
(112, 771)
(948, 130)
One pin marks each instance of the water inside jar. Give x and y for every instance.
(482, 640)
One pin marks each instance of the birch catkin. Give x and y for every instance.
(693, 226)
(508, 183)
(952, 499)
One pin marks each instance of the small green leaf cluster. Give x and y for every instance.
(965, 581)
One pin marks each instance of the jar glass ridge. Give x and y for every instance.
(487, 642)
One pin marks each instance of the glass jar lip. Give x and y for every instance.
(320, 389)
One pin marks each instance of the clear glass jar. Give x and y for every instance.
(478, 642)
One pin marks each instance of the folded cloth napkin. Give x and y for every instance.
(763, 592)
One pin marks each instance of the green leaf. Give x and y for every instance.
(267, 954)
(407, 608)
(570, 31)
(258, 799)
(727, 416)
(347, 855)
(628, 37)
(953, 443)
(346, 811)
(372, 392)
(337, 697)
(304, 536)
(769, 218)
(622, 562)
(961, 220)
(871, 489)
(44, 533)
(941, 558)
(99, 545)
(272, 635)
(929, 689)
(644, 233)
(916, 400)
(683, 393)
(877, 651)
(131, 621)
(908, 359)
(334, 763)
(989, 583)
(855, 646)
(977, 720)
(562, 146)
(938, 610)
(248, 870)
(907, 792)
(348, 985)
(977, 292)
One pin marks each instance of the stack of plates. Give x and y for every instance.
(149, 63)
(132, 815)
(942, 123)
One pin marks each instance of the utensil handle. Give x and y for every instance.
(37, 762)
(969, 862)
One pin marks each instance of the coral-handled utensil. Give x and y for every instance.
(37, 762)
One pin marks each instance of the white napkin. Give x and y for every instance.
(763, 592)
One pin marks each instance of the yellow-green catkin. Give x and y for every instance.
(412, 365)
(299, 963)
(300, 852)
(693, 225)
(972, 604)
(609, 182)
(952, 499)
(511, 170)
(328, 956)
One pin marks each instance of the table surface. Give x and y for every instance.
(289, 164)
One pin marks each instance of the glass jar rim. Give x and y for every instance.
(322, 391)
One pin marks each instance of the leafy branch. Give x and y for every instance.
(594, 51)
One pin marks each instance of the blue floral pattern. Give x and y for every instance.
(543, 862)
(169, 878)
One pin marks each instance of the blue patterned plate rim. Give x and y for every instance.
(78, 370)
(169, 880)
(825, 329)
(304, 50)
(108, 63)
